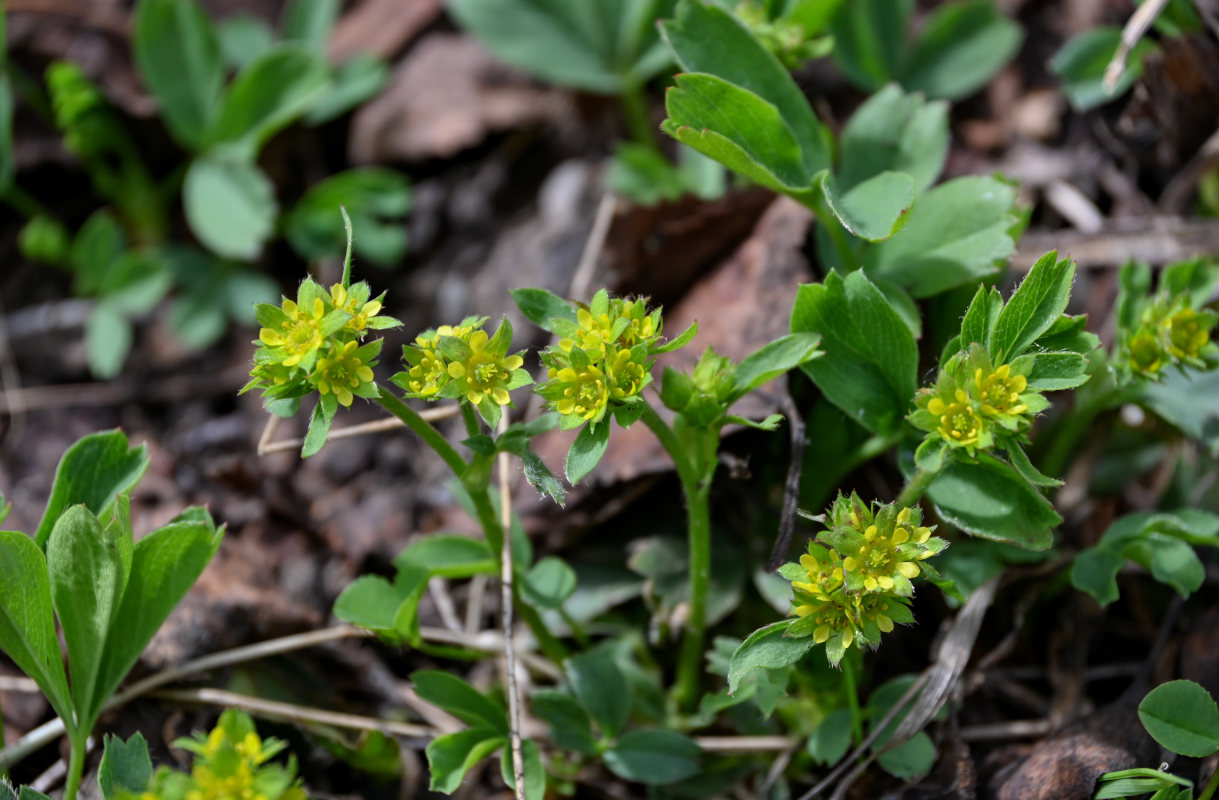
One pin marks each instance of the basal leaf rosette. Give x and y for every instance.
(854, 583)
(462, 362)
(319, 329)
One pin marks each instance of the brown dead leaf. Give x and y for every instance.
(447, 95)
(380, 27)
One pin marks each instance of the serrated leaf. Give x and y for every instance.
(93, 472)
(873, 209)
(706, 38)
(894, 131)
(768, 648)
(1035, 305)
(126, 766)
(955, 235)
(989, 499)
(870, 362)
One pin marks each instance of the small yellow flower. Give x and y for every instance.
(361, 312)
(1146, 355)
(1186, 334)
(625, 376)
(999, 391)
(583, 393)
(959, 424)
(341, 372)
(425, 378)
(486, 374)
(299, 334)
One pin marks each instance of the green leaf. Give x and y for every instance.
(541, 478)
(230, 206)
(178, 55)
(164, 565)
(910, 760)
(309, 22)
(1183, 717)
(373, 603)
(548, 583)
(460, 699)
(1082, 61)
(1189, 401)
(1170, 561)
(1020, 462)
(1035, 305)
(874, 209)
(93, 472)
(739, 129)
(534, 772)
(88, 575)
(989, 499)
(772, 360)
(357, 80)
(449, 757)
(27, 626)
(589, 446)
(602, 689)
(319, 426)
(126, 766)
(831, 738)
(243, 38)
(570, 726)
(707, 38)
(376, 199)
(271, 92)
(894, 131)
(28, 793)
(766, 647)
(961, 47)
(597, 47)
(108, 337)
(869, 40)
(870, 362)
(955, 235)
(654, 757)
(1057, 371)
(540, 306)
(449, 555)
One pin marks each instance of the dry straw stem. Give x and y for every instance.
(267, 447)
(514, 692)
(1136, 26)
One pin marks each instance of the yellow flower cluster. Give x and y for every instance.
(854, 582)
(974, 401)
(603, 356)
(312, 343)
(231, 763)
(463, 362)
(1170, 333)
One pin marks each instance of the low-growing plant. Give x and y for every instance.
(124, 254)
(109, 592)
(1183, 718)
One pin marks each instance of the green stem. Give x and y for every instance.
(76, 766)
(3, 771)
(852, 692)
(577, 630)
(837, 233)
(467, 415)
(424, 430)
(916, 486)
(1211, 787)
(483, 509)
(696, 487)
(635, 109)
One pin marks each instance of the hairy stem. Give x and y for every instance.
(76, 764)
(696, 487)
(423, 429)
(916, 486)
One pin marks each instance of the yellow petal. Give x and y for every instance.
(821, 634)
(908, 569)
(884, 623)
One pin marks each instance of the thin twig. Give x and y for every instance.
(1136, 26)
(505, 576)
(275, 710)
(583, 276)
(9, 683)
(474, 602)
(746, 744)
(266, 447)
